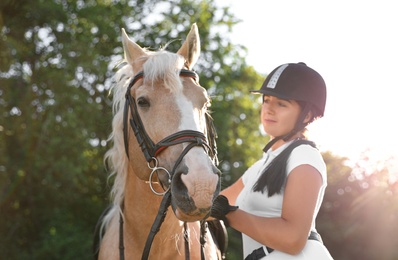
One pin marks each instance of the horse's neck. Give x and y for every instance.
(140, 203)
(141, 206)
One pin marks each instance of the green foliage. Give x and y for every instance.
(56, 64)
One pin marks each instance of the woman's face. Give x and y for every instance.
(279, 116)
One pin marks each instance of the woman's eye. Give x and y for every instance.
(142, 102)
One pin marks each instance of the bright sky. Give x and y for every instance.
(352, 44)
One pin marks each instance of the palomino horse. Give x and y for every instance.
(163, 144)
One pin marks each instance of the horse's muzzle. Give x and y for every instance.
(191, 199)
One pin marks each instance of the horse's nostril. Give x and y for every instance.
(181, 198)
(177, 183)
(182, 169)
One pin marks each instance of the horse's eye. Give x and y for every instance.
(142, 102)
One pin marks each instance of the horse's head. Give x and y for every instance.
(166, 126)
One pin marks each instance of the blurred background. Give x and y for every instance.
(57, 59)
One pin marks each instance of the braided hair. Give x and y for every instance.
(273, 177)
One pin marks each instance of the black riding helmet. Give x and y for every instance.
(296, 81)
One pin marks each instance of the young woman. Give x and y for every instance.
(277, 199)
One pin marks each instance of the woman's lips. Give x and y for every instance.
(269, 121)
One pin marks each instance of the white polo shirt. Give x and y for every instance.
(259, 204)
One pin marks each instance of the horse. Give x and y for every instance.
(163, 153)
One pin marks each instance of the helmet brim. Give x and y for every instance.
(271, 93)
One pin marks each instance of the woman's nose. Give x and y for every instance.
(268, 108)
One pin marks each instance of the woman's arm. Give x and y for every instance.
(289, 232)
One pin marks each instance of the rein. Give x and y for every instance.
(152, 150)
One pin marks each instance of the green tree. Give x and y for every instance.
(51, 86)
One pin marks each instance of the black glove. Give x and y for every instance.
(221, 208)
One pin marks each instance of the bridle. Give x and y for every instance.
(152, 150)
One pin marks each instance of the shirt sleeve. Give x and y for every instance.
(306, 154)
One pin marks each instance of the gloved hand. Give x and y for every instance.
(221, 208)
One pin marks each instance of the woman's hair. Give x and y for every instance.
(273, 177)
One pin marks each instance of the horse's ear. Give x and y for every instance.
(132, 51)
(190, 49)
